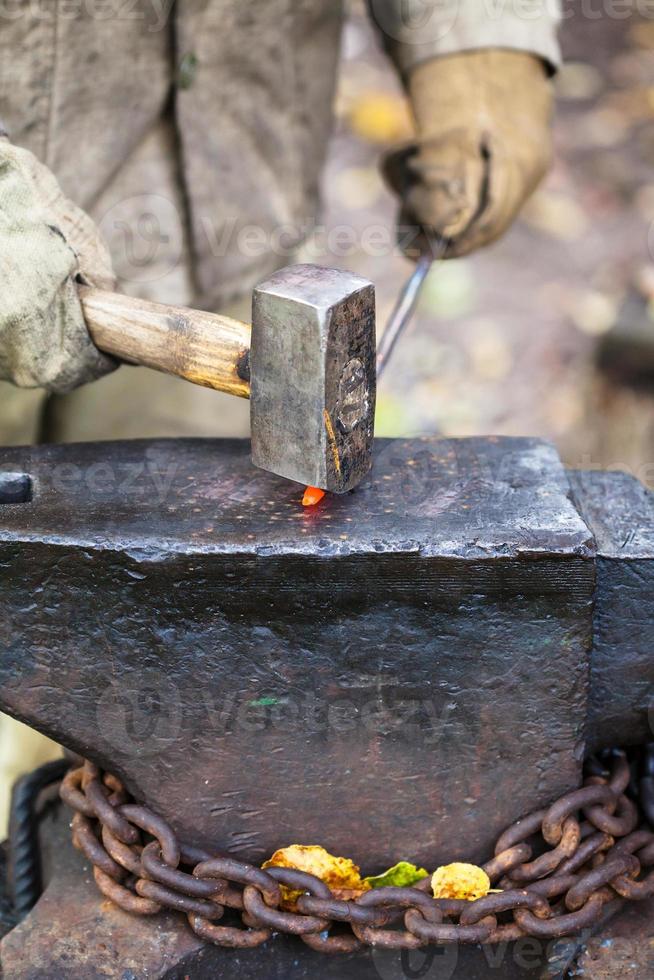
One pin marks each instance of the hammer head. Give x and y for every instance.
(313, 376)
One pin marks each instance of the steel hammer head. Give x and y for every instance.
(313, 376)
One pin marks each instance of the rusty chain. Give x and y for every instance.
(556, 869)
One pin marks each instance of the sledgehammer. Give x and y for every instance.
(308, 363)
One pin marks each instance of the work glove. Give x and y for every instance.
(47, 245)
(484, 143)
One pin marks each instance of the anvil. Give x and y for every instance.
(364, 675)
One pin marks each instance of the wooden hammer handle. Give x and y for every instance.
(204, 348)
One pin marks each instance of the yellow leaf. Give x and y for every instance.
(381, 118)
(340, 874)
(459, 880)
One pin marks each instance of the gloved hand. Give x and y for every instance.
(484, 143)
(45, 243)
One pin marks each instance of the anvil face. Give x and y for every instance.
(313, 377)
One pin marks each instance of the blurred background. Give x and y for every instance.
(508, 341)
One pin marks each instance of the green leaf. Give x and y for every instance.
(401, 875)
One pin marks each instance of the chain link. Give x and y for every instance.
(588, 845)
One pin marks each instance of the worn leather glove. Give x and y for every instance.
(46, 244)
(484, 143)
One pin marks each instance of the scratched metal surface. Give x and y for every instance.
(625, 948)
(470, 498)
(620, 512)
(360, 676)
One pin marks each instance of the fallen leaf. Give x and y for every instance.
(340, 874)
(458, 880)
(401, 875)
(381, 117)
